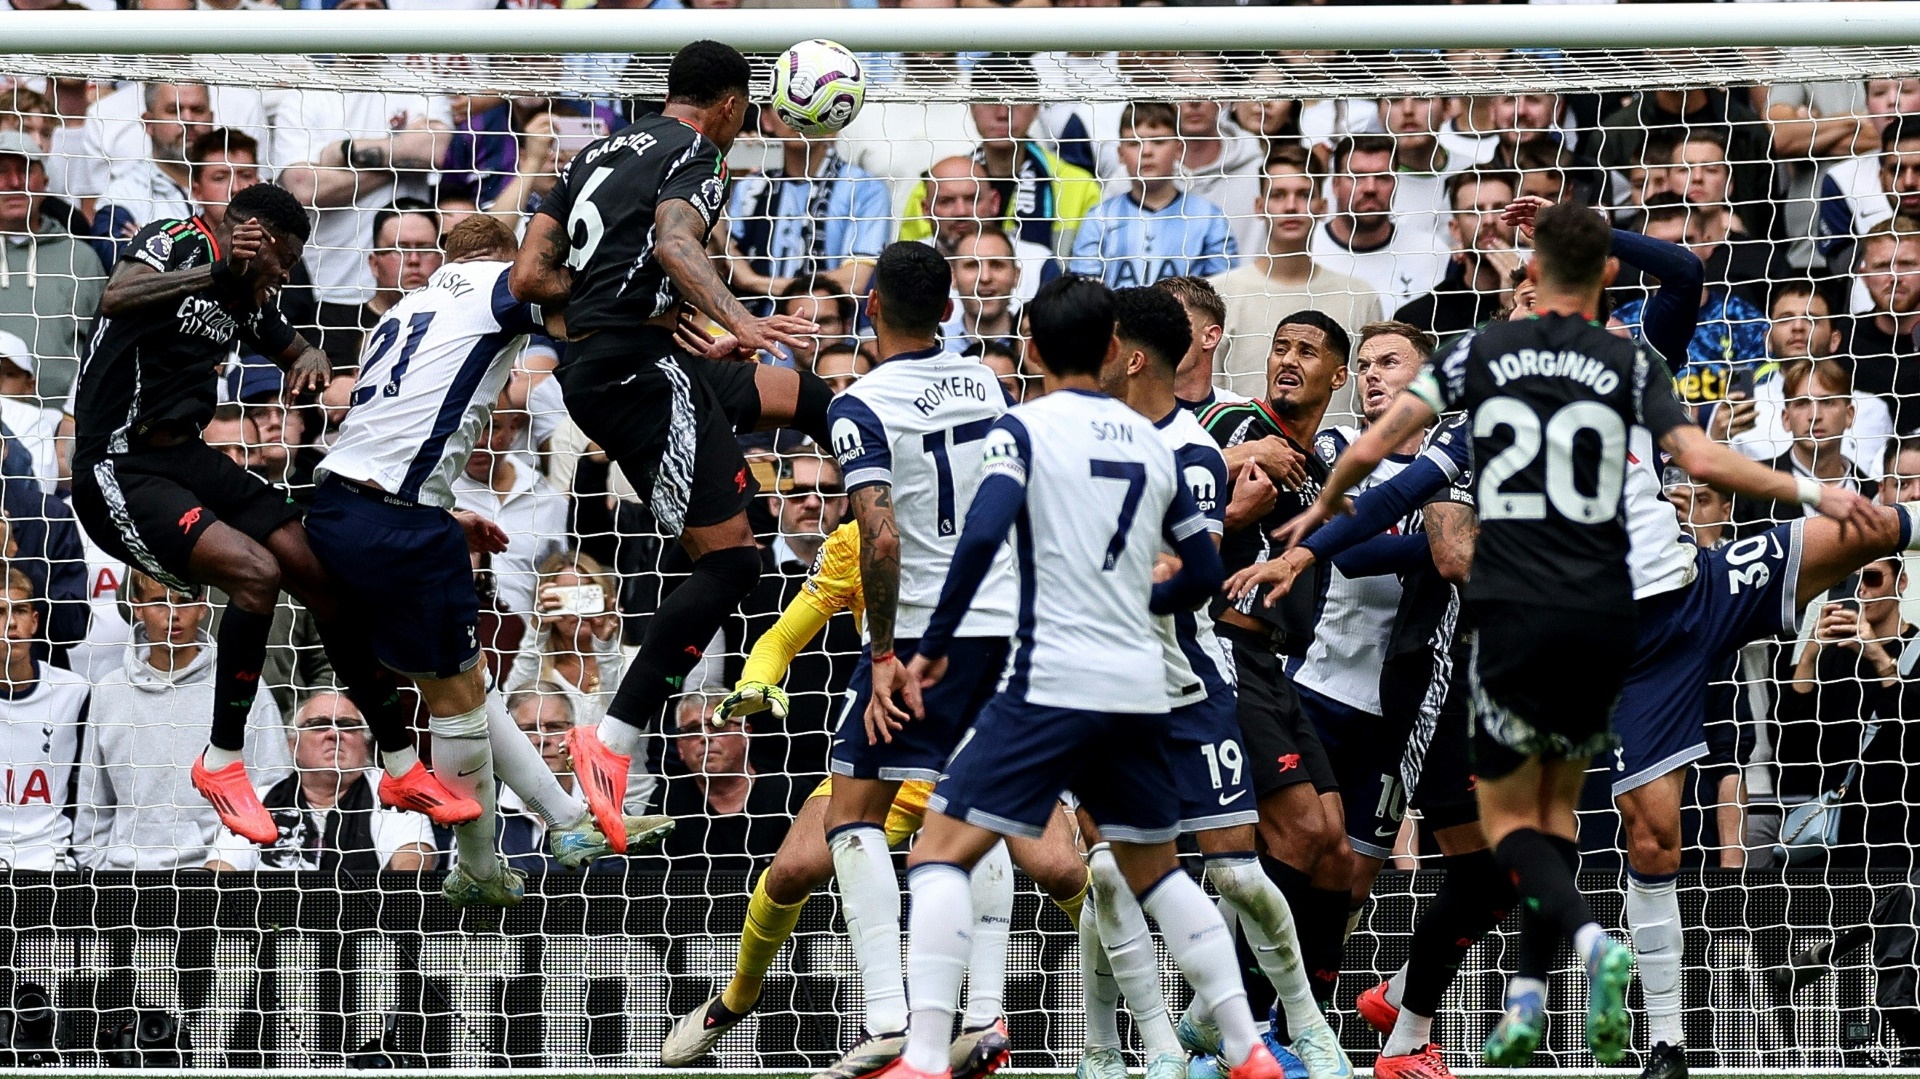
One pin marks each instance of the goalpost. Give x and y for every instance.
(319, 969)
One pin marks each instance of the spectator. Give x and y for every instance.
(1624, 135)
(278, 432)
(1819, 409)
(1002, 356)
(234, 434)
(1484, 256)
(1284, 278)
(220, 162)
(35, 427)
(1800, 326)
(1902, 474)
(50, 283)
(1861, 192)
(1495, 129)
(985, 274)
(114, 144)
(1881, 341)
(822, 303)
(137, 807)
(960, 203)
(1219, 162)
(1421, 164)
(48, 549)
(730, 814)
(576, 641)
(496, 142)
(543, 713)
(1742, 264)
(156, 188)
(1041, 196)
(839, 366)
(328, 811)
(42, 713)
(406, 252)
(1362, 239)
(501, 486)
(1155, 229)
(1730, 338)
(816, 215)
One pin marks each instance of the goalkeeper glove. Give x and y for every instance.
(750, 697)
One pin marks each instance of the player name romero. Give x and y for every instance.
(947, 389)
(1567, 363)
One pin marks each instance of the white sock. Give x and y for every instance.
(1653, 914)
(463, 762)
(870, 902)
(1913, 519)
(216, 758)
(1519, 987)
(1397, 986)
(400, 761)
(1410, 1033)
(992, 883)
(1204, 950)
(521, 767)
(618, 735)
(938, 940)
(1098, 988)
(1585, 937)
(1129, 944)
(1268, 922)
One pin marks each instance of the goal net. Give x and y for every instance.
(1358, 178)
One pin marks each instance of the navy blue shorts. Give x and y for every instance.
(1018, 759)
(919, 749)
(1365, 752)
(1743, 592)
(1210, 766)
(403, 573)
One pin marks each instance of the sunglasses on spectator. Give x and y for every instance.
(343, 723)
(821, 491)
(1873, 577)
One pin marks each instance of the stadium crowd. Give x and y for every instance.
(1801, 202)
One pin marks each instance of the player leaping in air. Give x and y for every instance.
(151, 492)
(382, 523)
(621, 245)
(1553, 400)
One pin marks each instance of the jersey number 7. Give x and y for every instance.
(1135, 475)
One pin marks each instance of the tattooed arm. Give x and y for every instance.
(880, 584)
(680, 243)
(1451, 531)
(540, 274)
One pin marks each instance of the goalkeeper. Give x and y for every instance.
(803, 862)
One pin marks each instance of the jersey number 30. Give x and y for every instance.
(1563, 429)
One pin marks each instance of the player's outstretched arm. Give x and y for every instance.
(1711, 463)
(135, 284)
(758, 689)
(1407, 415)
(680, 242)
(540, 274)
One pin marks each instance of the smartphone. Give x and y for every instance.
(572, 134)
(1847, 593)
(1740, 382)
(585, 600)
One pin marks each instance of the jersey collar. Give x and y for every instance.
(917, 354)
(200, 225)
(1274, 418)
(1162, 422)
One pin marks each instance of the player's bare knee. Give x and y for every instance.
(788, 881)
(253, 580)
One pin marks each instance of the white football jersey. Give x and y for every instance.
(1197, 666)
(1659, 555)
(40, 743)
(917, 422)
(1102, 490)
(1350, 640)
(429, 374)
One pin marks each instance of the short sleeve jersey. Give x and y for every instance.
(1553, 400)
(607, 199)
(1197, 667)
(916, 423)
(158, 367)
(1232, 423)
(1101, 497)
(1425, 620)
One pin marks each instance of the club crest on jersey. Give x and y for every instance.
(1200, 482)
(160, 246)
(1327, 446)
(847, 443)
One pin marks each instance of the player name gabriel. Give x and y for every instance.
(1566, 363)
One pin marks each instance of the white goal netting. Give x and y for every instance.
(1365, 185)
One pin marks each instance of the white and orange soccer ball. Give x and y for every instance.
(818, 87)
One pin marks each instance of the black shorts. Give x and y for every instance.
(1282, 748)
(150, 506)
(1545, 681)
(669, 419)
(1426, 704)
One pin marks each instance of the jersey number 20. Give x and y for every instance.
(1562, 430)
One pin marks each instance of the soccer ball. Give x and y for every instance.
(818, 87)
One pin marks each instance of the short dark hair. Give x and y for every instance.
(1348, 145)
(1198, 294)
(1476, 177)
(1571, 242)
(1072, 319)
(1137, 114)
(400, 207)
(274, 207)
(1153, 319)
(1336, 334)
(914, 284)
(1004, 78)
(222, 140)
(811, 286)
(703, 72)
(1904, 128)
(1667, 205)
